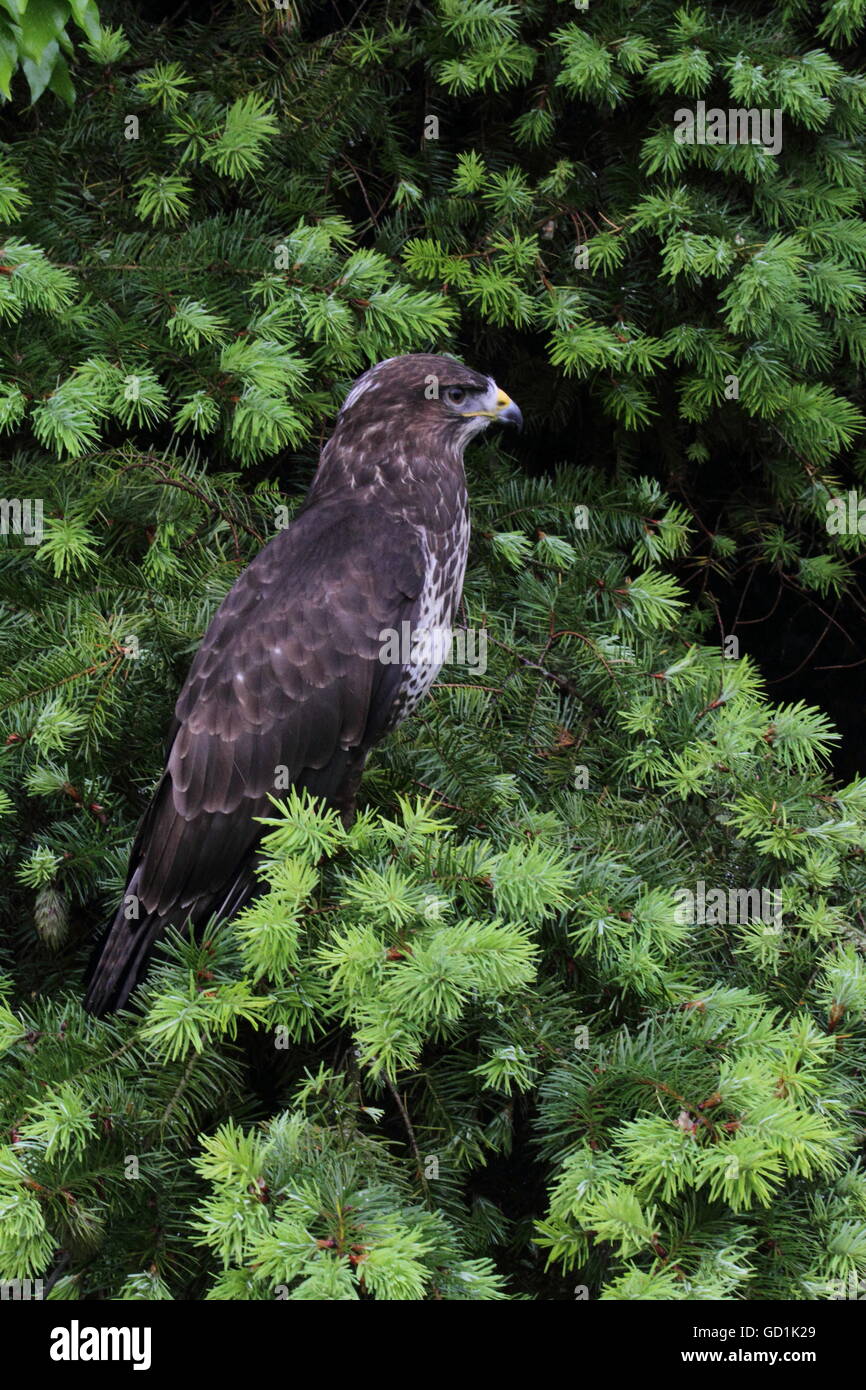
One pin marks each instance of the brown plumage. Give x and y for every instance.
(289, 673)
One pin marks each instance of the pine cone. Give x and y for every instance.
(51, 916)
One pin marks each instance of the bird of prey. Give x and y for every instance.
(290, 676)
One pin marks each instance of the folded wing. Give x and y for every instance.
(287, 682)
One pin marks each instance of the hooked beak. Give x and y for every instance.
(507, 413)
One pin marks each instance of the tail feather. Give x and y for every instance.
(119, 961)
(122, 956)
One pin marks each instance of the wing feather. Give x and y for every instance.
(287, 675)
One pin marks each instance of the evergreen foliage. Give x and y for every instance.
(472, 1047)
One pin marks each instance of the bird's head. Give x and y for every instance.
(434, 397)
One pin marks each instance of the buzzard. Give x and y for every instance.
(290, 677)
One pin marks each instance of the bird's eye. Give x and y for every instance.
(455, 394)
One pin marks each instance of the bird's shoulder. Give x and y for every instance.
(330, 547)
(311, 605)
